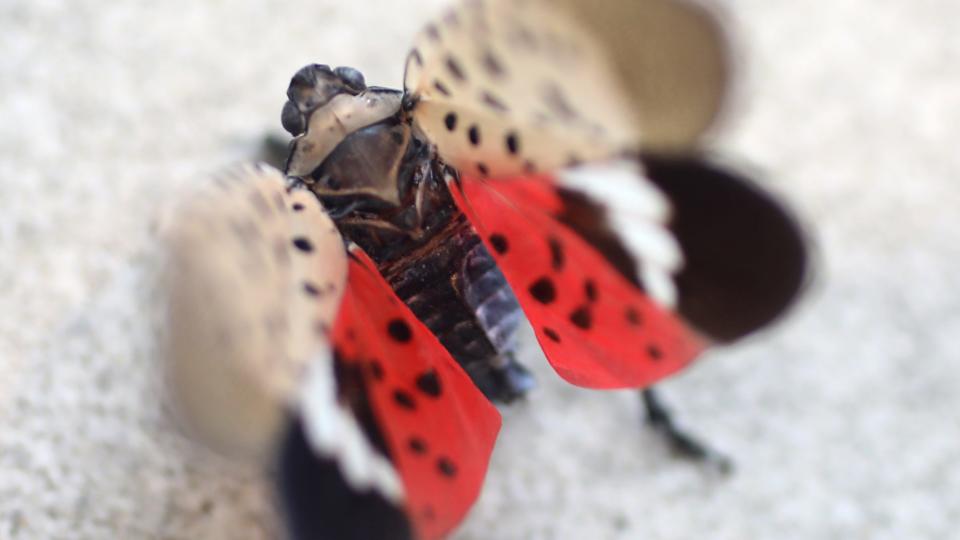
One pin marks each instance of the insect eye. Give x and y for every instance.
(352, 77)
(291, 119)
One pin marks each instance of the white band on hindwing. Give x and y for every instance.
(638, 213)
(332, 430)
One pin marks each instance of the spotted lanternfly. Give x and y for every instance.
(353, 319)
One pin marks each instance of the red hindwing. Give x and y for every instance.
(597, 329)
(439, 429)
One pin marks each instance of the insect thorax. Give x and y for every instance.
(356, 151)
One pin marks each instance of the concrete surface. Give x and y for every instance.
(843, 421)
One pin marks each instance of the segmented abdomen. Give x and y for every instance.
(452, 284)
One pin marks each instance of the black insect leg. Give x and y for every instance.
(681, 442)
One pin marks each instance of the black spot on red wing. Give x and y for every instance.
(442, 88)
(446, 467)
(474, 135)
(428, 513)
(404, 400)
(311, 289)
(581, 318)
(590, 289)
(499, 243)
(551, 334)
(303, 244)
(429, 384)
(399, 330)
(513, 143)
(654, 352)
(543, 290)
(417, 445)
(297, 207)
(482, 169)
(376, 370)
(557, 257)
(450, 120)
(633, 316)
(454, 68)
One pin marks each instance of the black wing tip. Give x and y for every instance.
(746, 254)
(318, 502)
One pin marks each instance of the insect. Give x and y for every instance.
(353, 320)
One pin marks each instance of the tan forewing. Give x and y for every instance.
(254, 278)
(505, 87)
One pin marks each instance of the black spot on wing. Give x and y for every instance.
(590, 290)
(453, 66)
(376, 369)
(399, 330)
(499, 243)
(417, 445)
(441, 88)
(513, 143)
(311, 289)
(473, 134)
(404, 400)
(543, 290)
(446, 467)
(450, 120)
(494, 102)
(582, 318)
(492, 64)
(303, 244)
(551, 334)
(632, 315)
(429, 384)
(557, 256)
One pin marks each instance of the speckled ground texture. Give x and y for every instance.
(843, 420)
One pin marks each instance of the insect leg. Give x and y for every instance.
(681, 442)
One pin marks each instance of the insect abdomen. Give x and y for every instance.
(447, 290)
(487, 292)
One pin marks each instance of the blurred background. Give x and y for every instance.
(844, 420)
